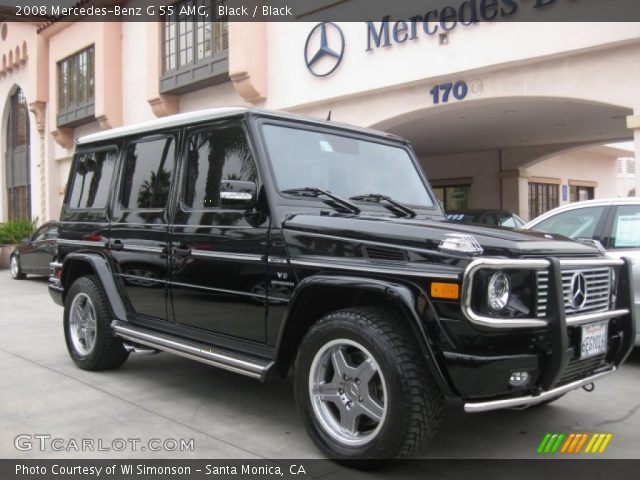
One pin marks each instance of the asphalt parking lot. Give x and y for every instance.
(229, 416)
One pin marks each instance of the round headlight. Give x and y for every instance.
(498, 291)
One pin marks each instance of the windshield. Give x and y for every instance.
(342, 165)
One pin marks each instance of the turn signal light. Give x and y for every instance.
(448, 291)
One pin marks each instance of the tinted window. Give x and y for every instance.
(578, 223)
(91, 182)
(147, 173)
(626, 227)
(213, 156)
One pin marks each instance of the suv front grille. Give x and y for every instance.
(598, 288)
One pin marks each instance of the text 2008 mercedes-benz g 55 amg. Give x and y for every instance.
(264, 243)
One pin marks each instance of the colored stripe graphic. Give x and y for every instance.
(551, 442)
(574, 443)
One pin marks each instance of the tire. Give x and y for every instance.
(16, 269)
(87, 327)
(396, 407)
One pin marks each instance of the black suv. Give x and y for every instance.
(267, 244)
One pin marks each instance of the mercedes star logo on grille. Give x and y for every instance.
(578, 290)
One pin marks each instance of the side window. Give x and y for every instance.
(626, 227)
(51, 233)
(507, 221)
(147, 173)
(213, 156)
(578, 223)
(91, 181)
(40, 234)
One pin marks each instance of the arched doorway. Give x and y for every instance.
(18, 164)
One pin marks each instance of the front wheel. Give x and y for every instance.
(16, 269)
(363, 387)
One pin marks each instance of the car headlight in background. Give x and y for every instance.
(498, 291)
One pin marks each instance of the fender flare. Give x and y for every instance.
(102, 269)
(400, 293)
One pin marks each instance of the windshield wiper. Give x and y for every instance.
(377, 198)
(317, 192)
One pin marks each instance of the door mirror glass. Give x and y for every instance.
(25, 240)
(237, 194)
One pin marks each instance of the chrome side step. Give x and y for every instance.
(251, 367)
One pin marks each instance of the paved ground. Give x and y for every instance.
(229, 416)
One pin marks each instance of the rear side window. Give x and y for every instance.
(626, 227)
(213, 156)
(148, 165)
(91, 181)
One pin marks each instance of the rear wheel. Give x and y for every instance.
(363, 387)
(16, 269)
(87, 327)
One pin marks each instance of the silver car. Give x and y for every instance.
(615, 223)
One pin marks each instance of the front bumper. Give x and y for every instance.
(482, 381)
(530, 400)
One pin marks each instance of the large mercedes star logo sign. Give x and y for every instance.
(578, 290)
(324, 49)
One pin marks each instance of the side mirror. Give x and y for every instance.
(237, 194)
(25, 240)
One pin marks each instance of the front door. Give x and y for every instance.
(139, 229)
(218, 269)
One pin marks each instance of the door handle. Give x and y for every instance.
(181, 251)
(116, 245)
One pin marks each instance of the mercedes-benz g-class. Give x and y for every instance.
(271, 244)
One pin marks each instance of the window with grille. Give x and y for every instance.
(195, 49)
(76, 98)
(453, 197)
(581, 193)
(542, 198)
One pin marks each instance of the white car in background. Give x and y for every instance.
(615, 223)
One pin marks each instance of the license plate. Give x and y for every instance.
(594, 340)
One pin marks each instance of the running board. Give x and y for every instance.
(251, 367)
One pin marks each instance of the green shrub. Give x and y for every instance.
(15, 230)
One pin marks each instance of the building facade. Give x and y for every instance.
(501, 115)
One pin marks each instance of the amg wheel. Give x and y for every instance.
(16, 270)
(87, 327)
(363, 388)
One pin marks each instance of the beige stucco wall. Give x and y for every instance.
(591, 62)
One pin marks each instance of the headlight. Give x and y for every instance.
(498, 291)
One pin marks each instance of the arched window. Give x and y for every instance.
(18, 168)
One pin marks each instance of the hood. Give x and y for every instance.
(423, 233)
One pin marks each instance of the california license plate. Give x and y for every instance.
(594, 340)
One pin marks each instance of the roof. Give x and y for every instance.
(165, 122)
(188, 118)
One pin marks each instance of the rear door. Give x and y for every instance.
(139, 225)
(84, 219)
